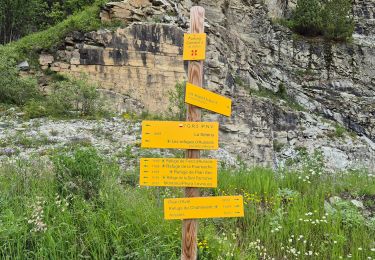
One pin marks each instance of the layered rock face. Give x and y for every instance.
(137, 65)
(247, 52)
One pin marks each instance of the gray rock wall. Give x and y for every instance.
(247, 52)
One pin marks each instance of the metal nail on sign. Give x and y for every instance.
(194, 46)
(174, 172)
(200, 97)
(204, 207)
(180, 135)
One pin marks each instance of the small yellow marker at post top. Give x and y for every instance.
(194, 46)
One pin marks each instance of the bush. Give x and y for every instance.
(13, 88)
(76, 95)
(79, 172)
(330, 19)
(35, 109)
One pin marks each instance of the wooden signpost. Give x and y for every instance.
(192, 173)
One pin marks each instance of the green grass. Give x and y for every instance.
(122, 220)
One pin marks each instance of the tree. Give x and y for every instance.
(338, 24)
(21, 17)
(307, 17)
(329, 18)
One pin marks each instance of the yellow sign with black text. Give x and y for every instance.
(194, 46)
(180, 135)
(204, 207)
(200, 97)
(174, 172)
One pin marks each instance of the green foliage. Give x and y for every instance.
(35, 109)
(79, 172)
(28, 46)
(22, 17)
(18, 90)
(339, 131)
(330, 19)
(125, 221)
(75, 94)
(337, 24)
(177, 105)
(70, 97)
(307, 17)
(13, 88)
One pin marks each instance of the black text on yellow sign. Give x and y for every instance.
(204, 207)
(180, 135)
(175, 172)
(200, 97)
(194, 46)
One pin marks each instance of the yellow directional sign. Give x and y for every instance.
(194, 46)
(206, 207)
(180, 135)
(178, 172)
(200, 97)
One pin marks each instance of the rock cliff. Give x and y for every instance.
(249, 54)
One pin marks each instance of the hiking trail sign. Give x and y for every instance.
(175, 172)
(194, 136)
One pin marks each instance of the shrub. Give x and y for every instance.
(79, 172)
(35, 109)
(74, 94)
(330, 19)
(13, 88)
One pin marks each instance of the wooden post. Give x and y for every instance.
(193, 114)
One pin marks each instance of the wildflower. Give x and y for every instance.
(372, 249)
(360, 248)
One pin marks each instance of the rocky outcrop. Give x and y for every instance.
(247, 52)
(139, 65)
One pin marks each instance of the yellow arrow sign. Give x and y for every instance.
(194, 46)
(200, 97)
(180, 135)
(204, 207)
(178, 172)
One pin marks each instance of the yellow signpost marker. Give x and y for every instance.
(178, 172)
(200, 97)
(194, 46)
(180, 135)
(204, 207)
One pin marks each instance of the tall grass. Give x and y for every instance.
(285, 214)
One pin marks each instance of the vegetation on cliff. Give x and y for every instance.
(19, 18)
(331, 19)
(24, 90)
